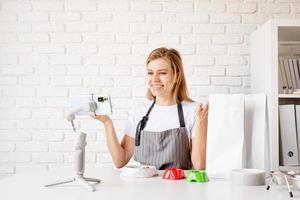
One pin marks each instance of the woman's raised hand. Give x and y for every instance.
(105, 119)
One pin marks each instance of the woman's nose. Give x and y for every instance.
(155, 77)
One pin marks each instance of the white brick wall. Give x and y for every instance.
(50, 51)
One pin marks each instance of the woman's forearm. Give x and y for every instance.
(199, 147)
(116, 150)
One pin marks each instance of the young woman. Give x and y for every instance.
(168, 132)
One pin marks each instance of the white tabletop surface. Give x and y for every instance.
(30, 186)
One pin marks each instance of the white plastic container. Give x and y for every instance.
(135, 171)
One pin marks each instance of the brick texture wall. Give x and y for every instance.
(51, 50)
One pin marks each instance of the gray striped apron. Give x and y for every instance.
(165, 149)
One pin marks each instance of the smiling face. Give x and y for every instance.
(160, 78)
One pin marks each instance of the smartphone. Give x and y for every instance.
(102, 101)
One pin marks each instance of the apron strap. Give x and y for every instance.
(180, 115)
(182, 123)
(141, 125)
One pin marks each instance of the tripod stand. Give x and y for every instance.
(279, 174)
(79, 166)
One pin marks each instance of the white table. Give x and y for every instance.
(29, 186)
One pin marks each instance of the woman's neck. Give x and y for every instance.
(164, 101)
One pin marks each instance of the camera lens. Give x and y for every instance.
(102, 99)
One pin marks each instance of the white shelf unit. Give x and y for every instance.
(286, 96)
(265, 42)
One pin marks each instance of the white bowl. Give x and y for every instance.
(143, 171)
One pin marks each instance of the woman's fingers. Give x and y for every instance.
(199, 108)
(97, 117)
(203, 112)
(205, 106)
(205, 109)
(105, 119)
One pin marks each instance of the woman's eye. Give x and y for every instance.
(150, 73)
(163, 73)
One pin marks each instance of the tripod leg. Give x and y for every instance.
(60, 182)
(85, 184)
(269, 184)
(92, 180)
(270, 180)
(288, 186)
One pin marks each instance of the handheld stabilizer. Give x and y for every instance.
(80, 143)
(98, 104)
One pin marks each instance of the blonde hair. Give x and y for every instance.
(179, 90)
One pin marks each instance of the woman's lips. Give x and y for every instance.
(157, 86)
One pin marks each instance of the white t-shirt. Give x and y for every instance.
(162, 118)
